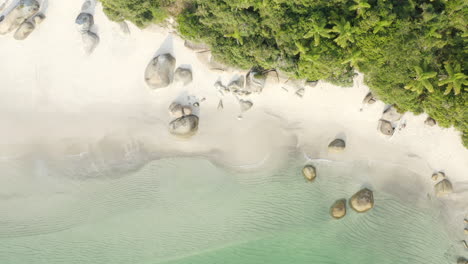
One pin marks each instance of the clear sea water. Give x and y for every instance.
(186, 210)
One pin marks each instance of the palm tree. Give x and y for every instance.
(381, 25)
(360, 7)
(301, 49)
(455, 80)
(318, 30)
(421, 81)
(354, 59)
(345, 33)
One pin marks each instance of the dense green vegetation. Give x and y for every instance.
(413, 53)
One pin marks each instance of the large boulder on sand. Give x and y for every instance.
(430, 121)
(369, 99)
(386, 127)
(245, 105)
(391, 114)
(159, 72)
(338, 209)
(84, 22)
(255, 81)
(336, 146)
(183, 75)
(22, 11)
(442, 188)
(185, 126)
(24, 30)
(309, 172)
(39, 18)
(90, 41)
(362, 201)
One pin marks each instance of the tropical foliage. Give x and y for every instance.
(413, 53)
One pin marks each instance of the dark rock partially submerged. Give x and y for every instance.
(362, 201)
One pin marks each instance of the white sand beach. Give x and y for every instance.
(57, 101)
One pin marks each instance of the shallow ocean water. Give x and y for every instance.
(187, 210)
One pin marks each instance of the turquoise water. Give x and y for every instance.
(187, 210)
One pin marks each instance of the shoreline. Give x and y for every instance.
(65, 96)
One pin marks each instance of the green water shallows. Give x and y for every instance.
(178, 211)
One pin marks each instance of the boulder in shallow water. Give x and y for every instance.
(255, 81)
(338, 209)
(309, 172)
(336, 146)
(443, 188)
(245, 105)
(386, 127)
(369, 99)
(462, 260)
(22, 11)
(159, 72)
(362, 201)
(183, 75)
(90, 41)
(84, 22)
(24, 31)
(430, 121)
(185, 126)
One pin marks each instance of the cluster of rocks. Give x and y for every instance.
(84, 24)
(361, 202)
(388, 121)
(185, 123)
(161, 72)
(444, 186)
(23, 18)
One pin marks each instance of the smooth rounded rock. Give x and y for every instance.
(462, 260)
(438, 176)
(84, 22)
(176, 110)
(245, 105)
(337, 145)
(90, 41)
(391, 114)
(185, 126)
(443, 188)
(430, 121)
(362, 201)
(255, 81)
(39, 18)
(160, 71)
(24, 31)
(386, 128)
(183, 75)
(309, 173)
(338, 209)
